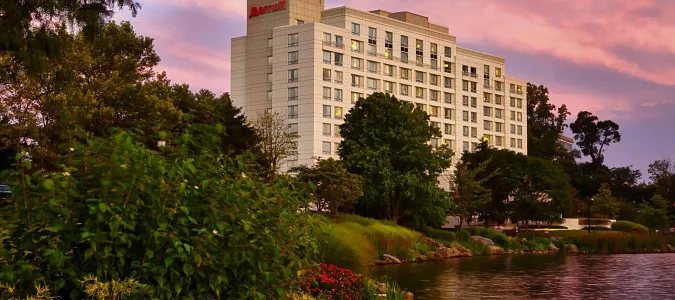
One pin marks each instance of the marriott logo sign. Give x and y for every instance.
(260, 10)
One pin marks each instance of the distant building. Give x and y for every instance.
(566, 142)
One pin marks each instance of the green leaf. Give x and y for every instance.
(48, 184)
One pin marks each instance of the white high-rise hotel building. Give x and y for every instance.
(311, 64)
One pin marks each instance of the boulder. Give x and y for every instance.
(461, 250)
(571, 248)
(417, 256)
(495, 250)
(447, 252)
(408, 296)
(435, 256)
(391, 259)
(483, 240)
(552, 248)
(433, 243)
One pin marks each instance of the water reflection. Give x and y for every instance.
(628, 276)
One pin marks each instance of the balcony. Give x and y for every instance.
(474, 75)
(338, 81)
(465, 73)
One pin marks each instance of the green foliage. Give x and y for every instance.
(470, 197)
(438, 234)
(604, 203)
(612, 241)
(477, 248)
(276, 142)
(386, 142)
(116, 289)
(385, 236)
(655, 212)
(340, 245)
(593, 135)
(187, 223)
(335, 189)
(627, 226)
(463, 235)
(545, 123)
(537, 244)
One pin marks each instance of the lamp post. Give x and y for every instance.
(589, 214)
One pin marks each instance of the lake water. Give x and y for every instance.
(621, 276)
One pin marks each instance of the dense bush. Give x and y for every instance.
(331, 282)
(187, 223)
(440, 235)
(628, 226)
(463, 235)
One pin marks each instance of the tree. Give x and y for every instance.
(470, 196)
(276, 143)
(593, 136)
(335, 189)
(655, 212)
(604, 203)
(662, 174)
(32, 30)
(386, 141)
(545, 123)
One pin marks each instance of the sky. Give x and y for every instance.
(614, 58)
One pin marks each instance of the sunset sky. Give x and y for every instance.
(614, 58)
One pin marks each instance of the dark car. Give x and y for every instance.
(5, 192)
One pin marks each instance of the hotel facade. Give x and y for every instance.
(312, 64)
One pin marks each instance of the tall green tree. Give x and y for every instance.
(276, 142)
(386, 141)
(604, 203)
(545, 123)
(335, 190)
(655, 212)
(470, 197)
(593, 135)
(662, 174)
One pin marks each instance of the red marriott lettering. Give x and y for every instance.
(259, 10)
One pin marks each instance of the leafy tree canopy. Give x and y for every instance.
(335, 189)
(593, 135)
(545, 123)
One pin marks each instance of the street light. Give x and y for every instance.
(589, 214)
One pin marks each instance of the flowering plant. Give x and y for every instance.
(332, 282)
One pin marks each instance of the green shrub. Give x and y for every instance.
(463, 235)
(438, 234)
(421, 247)
(628, 226)
(537, 244)
(476, 247)
(344, 247)
(187, 223)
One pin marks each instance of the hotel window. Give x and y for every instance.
(388, 70)
(292, 111)
(474, 117)
(487, 97)
(433, 79)
(293, 40)
(290, 164)
(339, 41)
(270, 43)
(293, 93)
(405, 73)
(338, 95)
(465, 85)
(327, 57)
(498, 86)
(433, 111)
(447, 98)
(513, 116)
(465, 101)
(513, 102)
(448, 52)
(487, 125)
(356, 63)
(520, 116)
(520, 103)
(325, 146)
(372, 39)
(269, 60)
(357, 46)
(449, 143)
(474, 132)
(372, 67)
(447, 82)
(326, 129)
(357, 81)
(473, 87)
(355, 97)
(448, 113)
(419, 92)
(327, 37)
(326, 111)
(293, 128)
(339, 59)
(299, 22)
(434, 143)
(372, 84)
(293, 75)
(498, 99)
(293, 58)
(447, 67)
(465, 116)
(513, 143)
(499, 140)
(474, 103)
(326, 75)
(487, 111)
(513, 129)
(498, 113)
(434, 56)
(498, 72)
(326, 93)
(338, 112)
(512, 88)
(448, 128)
(465, 146)
(419, 51)
(520, 144)
(338, 77)
(498, 127)
(389, 87)
(388, 45)
(420, 106)
(486, 77)
(465, 130)
(404, 48)
(405, 90)
(433, 95)
(336, 129)
(520, 130)
(519, 90)
(419, 76)
(465, 70)
(356, 29)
